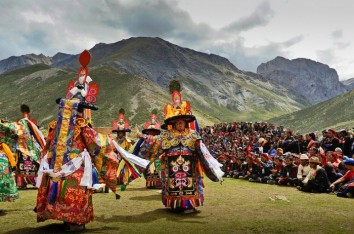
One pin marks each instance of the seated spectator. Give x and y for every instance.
(289, 172)
(329, 168)
(316, 181)
(276, 171)
(347, 187)
(266, 167)
(297, 160)
(252, 171)
(239, 168)
(303, 169)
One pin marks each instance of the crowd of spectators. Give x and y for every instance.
(265, 153)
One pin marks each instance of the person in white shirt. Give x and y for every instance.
(304, 168)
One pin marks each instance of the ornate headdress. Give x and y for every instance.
(152, 127)
(82, 89)
(179, 109)
(121, 125)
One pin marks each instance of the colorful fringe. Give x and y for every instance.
(184, 203)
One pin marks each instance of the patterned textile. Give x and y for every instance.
(8, 190)
(23, 136)
(152, 175)
(63, 139)
(173, 138)
(182, 180)
(72, 202)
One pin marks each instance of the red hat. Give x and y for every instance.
(121, 125)
(152, 127)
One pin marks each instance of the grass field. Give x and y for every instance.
(233, 207)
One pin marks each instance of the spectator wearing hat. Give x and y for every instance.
(347, 181)
(280, 152)
(339, 152)
(289, 172)
(297, 160)
(316, 181)
(303, 169)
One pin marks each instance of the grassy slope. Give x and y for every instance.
(233, 207)
(337, 113)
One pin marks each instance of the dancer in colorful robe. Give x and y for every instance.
(185, 157)
(151, 130)
(65, 178)
(26, 171)
(127, 171)
(22, 136)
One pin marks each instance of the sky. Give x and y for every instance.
(247, 32)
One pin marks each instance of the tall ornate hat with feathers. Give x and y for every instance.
(152, 126)
(121, 124)
(179, 109)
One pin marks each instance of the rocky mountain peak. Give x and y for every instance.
(315, 81)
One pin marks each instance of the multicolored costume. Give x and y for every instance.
(151, 129)
(185, 158)
(66, 178)
(124, 174)
(27, 168)
(24, 137)
(8, 190)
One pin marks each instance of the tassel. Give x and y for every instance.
(117, 196)
(94, 176)
(63, 189)
(122, 187)
(53, 192)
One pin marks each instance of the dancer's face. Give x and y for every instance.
(180, 125)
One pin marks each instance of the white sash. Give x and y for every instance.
(134, 159)
(68, 168)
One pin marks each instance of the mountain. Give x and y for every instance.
(315, 81)
(349, 83)
(134, 74)
(335, 113)
(16, 62)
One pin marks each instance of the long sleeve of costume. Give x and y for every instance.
(24, 136)
(210, 165)
(9, 154)
(100, 148)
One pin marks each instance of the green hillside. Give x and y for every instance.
(337, 113)
(39, 86)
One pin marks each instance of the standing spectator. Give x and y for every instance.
(345, 142)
